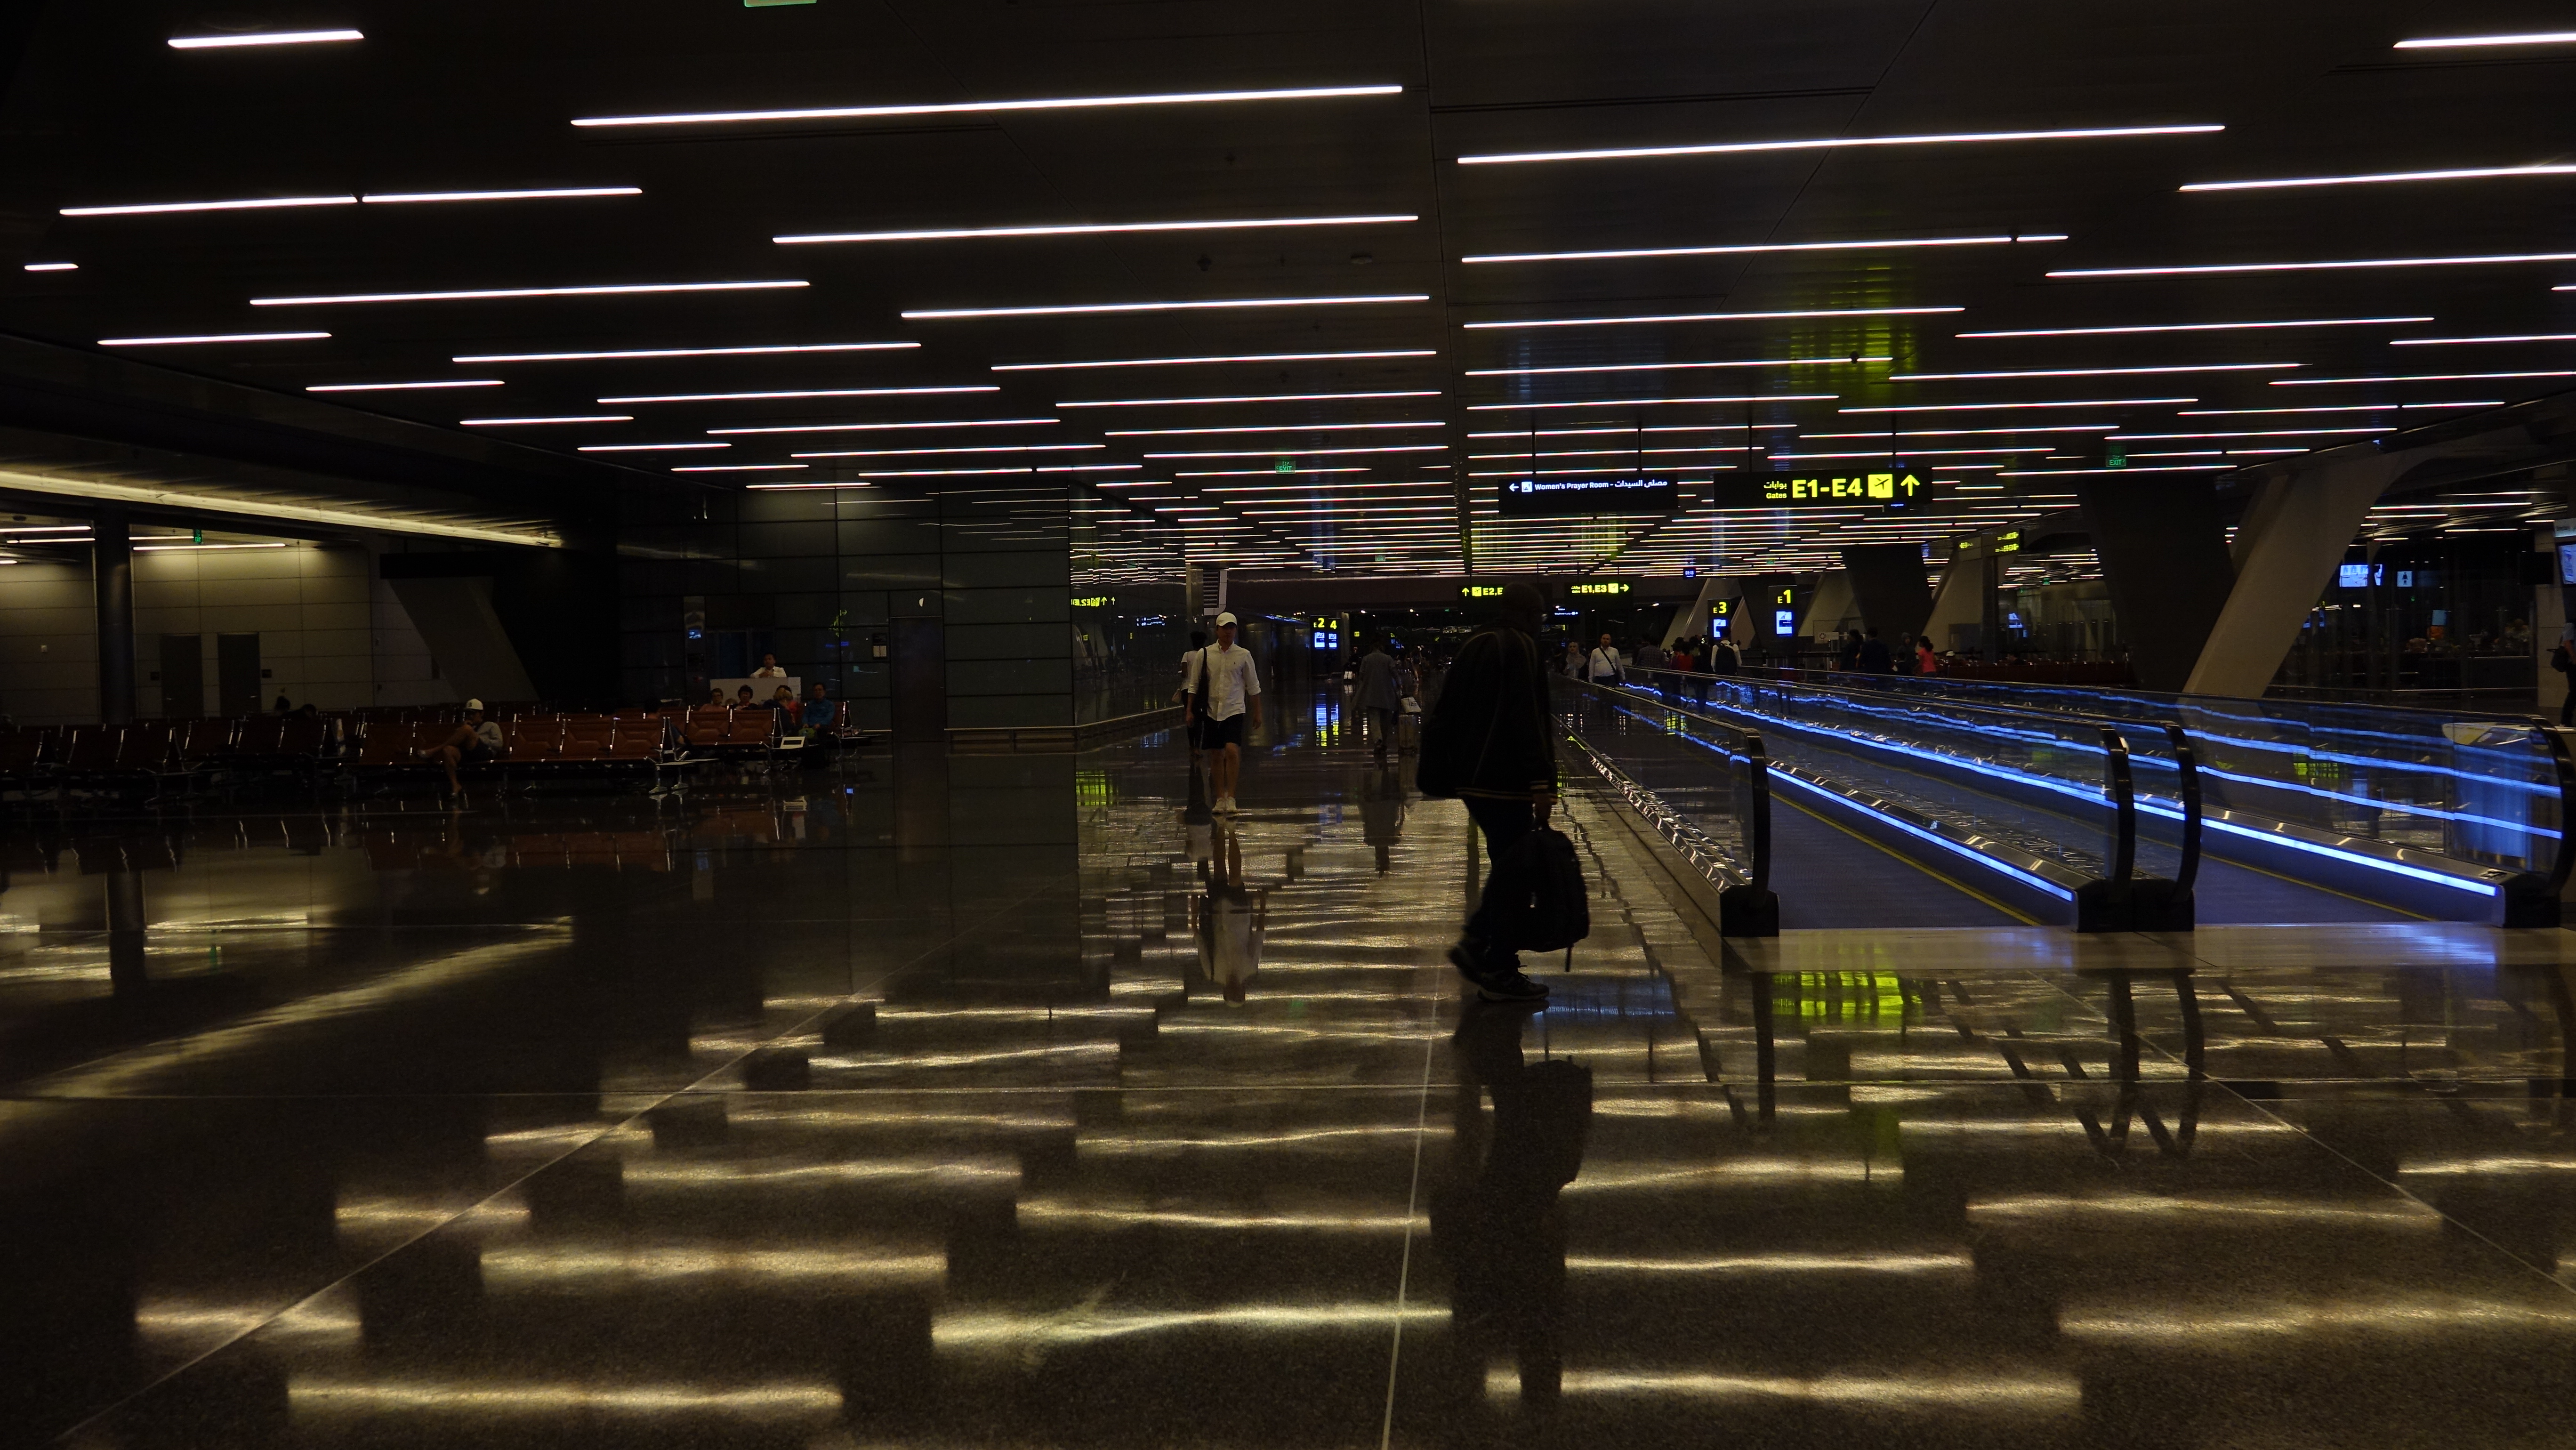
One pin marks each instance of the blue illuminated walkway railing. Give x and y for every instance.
(2463, 814)
(2044, 800)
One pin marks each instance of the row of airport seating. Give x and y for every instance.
(161, 753)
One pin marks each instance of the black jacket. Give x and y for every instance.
(1491, 732)
(1874, 658)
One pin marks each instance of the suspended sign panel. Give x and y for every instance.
(1891, 489)
(1542, 497)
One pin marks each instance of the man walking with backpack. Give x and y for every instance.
(1491, 742)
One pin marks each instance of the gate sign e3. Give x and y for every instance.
(1898, 489)
(1645, 494)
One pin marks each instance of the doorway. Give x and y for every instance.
(183, 676)
(237, 673)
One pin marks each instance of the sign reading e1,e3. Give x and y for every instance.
(1540, 497)
(1899, 489)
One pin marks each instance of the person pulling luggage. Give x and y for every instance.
(1491, 742)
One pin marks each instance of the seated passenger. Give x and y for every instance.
(742, 699)
(769, 669)
(716, 698)
(819, 713)
(473, 743)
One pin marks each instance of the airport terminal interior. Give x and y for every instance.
(773, 723)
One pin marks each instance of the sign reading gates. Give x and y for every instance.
(1646, 494)
(1899, 489)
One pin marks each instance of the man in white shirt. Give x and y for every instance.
(1607, 668)
(769, 669)
(1229, 690)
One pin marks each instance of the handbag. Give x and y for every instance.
(1546, 905)
(1408, 706)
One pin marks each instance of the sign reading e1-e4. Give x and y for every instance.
(1897, 489)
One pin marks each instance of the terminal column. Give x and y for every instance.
(112, 570)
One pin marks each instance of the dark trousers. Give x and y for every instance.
(1504, 823)
(1381, 726)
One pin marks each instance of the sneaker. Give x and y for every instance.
(1511, 987)
(1225, 805)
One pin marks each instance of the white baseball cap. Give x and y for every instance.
(472, 706)
(1228, 618)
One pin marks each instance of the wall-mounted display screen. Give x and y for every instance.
(1542, 497)
(2358, 576)
(2567, 563)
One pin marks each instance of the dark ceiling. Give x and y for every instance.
(479, 97)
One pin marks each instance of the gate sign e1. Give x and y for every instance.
(1645, 494)
(1897, 489)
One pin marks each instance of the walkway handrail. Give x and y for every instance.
(2123, 895)
(1750, 909)
(2187, 768)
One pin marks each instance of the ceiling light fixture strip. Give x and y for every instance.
(1087, 309)
(959, 108)
(1087, 229)
(486, 294)
(1837, 143)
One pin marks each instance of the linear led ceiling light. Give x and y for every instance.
(2324, 408)
(1974, 407)
(2506, 337)
(2417, 378)
(1654, 402)
(2197, 327)
(1971, 432)
(1312, 452)
(254, 203)
(2214, 269)
(652, 352)
(647, 447)
(1252, 357)
(1087, 229)
(269, 37)
(547, 193)
(800, 393)
(1259, 428)
(735, 467)
(1626, 429)
(150, 495)
(2468, 173)
(1713, 317)
(2461, 42)
(1762, 247)
(1769, 362)
(885, 427)
(960, 448)
(534, 422)
(487, 294)
(1831, 143)
(2094, 372)
(50, 267)
(403, 387)
(1085, 308)
(1251, 398)
(192, 338)
(959, 108)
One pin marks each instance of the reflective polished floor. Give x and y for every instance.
(1007, 1101)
